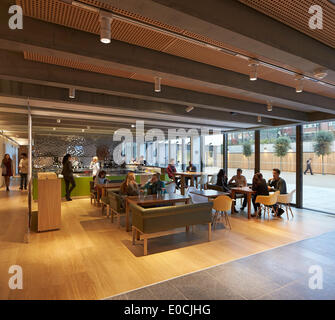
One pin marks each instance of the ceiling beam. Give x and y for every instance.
(14, 67)
(61, 42)
(240, 26)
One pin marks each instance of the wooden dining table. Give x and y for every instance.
(152, 200)
(191, 175)
(210, 194)
(242, 190)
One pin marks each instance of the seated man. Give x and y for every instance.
(240, 181)
(277, 184)
(155, 185)
(190, 168)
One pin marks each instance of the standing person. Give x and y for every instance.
(171, 170)
(23, 170)
(309, 166)
(95, 167)
(240, 181)
(7, 169)
(260, 187)
(277, 184)
(67, 173)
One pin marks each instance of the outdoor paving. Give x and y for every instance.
(282, 273)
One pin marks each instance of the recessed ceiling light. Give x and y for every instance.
(133, 126)
(82, 130)
(58, 120)
(54, 129)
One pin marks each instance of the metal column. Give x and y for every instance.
(257, 151)
(299, 166)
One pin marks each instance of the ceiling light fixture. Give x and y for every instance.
(300, 84)
(259, 119)
(269, 106)
(82, 130)
(133, 126)
(105, 29)
(54, 129)
(253, 64)
(72, 93)
(88, 127)
(189, 108)
(320, 73)
(158, 84)
(58, 120)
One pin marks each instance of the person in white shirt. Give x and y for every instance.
(95, 167)
(240, 181)
(23, 169)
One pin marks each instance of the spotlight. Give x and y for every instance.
(54, 129)
(133, 126)
(72, 93)
(253, 64)
(105, 29)
(158, 84)
(269, 106)
(82, 130)
(300, 84)
(189, 109)
(58, 120)
(259, 119)
(320, 73)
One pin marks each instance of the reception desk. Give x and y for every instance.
(82, 188)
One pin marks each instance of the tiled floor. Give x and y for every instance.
(281, 274)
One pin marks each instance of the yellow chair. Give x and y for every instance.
(286, 200)
(267, 202)
(221, 205)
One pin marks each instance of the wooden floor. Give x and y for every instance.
(90, 258)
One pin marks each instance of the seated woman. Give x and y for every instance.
(155, 185)
(100, 179)
(260, 186)
(222, 181)
(129, 187)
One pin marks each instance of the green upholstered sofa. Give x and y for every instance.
(160, 221)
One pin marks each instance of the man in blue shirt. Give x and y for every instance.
(155, 185)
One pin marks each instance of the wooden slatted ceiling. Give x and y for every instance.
(61, 13)
(294, 13)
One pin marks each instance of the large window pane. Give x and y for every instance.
(212, 157)
(241, 153)
(278, 150)
(319, 149)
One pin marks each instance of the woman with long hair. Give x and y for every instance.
(261, 189)
(222, 180)
(67, 173)
(7, 169)
(129, 187)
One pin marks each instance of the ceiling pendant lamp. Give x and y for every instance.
(300, 83)
(105, 29)
(72, 93)
(269, 106)
(253, 64)
(158, 84)
(259, 119)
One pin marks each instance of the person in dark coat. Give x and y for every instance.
(309, 166)
(260, 186)
(67, 173)
(7, 169)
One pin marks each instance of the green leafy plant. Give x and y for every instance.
(281, 147)
(247, 150)
(322, 145)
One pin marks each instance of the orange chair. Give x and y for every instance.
(267, 202)
(221, 205)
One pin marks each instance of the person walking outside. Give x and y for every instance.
(7, 169)
(67, 173)
(309, 166)
(23, 170)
